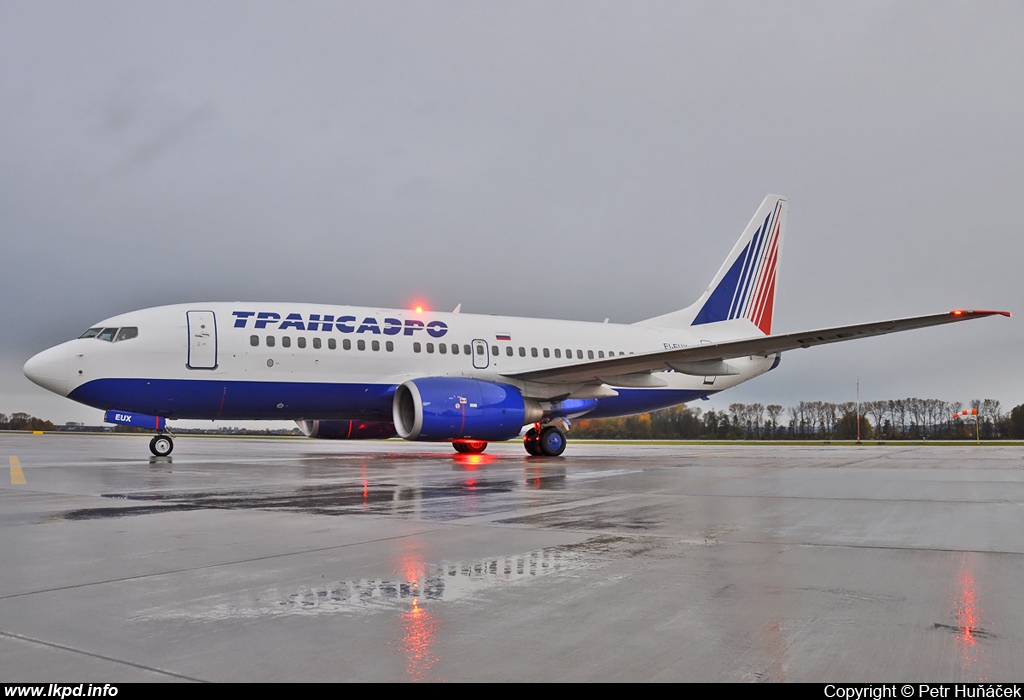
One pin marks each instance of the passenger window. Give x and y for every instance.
(600, 353)
(430, 348)
(270, 341)
(442, 348)
(91, 333)
(375, 345)
(390, 346)
(467, 351)
(361, 344)
(558, 353)
(579, 354)
(522, 351)
(494, 350)
(317, 343)
(590, 354)
(286, 342)
(107, 334)
(479, 349)
(346, 344)
(127, 333)
(301, 342)
(508, 350)
(547, 353)
(455, 348)
(416, 347)
(533, 352)
(254, 340)
(332, 344)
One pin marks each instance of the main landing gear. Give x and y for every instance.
(545, 442)
(161, 445)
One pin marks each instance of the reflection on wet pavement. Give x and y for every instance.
(428, 584)
(619, 563)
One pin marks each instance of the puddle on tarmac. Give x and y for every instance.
(430, 502)
(440, 583)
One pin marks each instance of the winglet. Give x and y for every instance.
(973, 312)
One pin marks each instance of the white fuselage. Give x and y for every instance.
(304, 361)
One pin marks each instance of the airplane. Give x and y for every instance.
(343, 372)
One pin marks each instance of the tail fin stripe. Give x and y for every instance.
(767, 272)
(759, 264)
(751, 270)
(737, 290)
(767, 287)
(749, 262)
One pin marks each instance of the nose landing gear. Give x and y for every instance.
(161, 445)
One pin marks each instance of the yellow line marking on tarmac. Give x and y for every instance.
(17, 476)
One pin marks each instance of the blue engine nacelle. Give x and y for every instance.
(346, 429)
(449, 408)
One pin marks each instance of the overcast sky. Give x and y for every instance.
(574, 160)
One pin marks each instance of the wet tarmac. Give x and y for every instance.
(304, 560)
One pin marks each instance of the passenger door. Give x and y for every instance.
(202, 340)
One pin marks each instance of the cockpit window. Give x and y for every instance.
(107, 334)
(127, 333)
(91, 333)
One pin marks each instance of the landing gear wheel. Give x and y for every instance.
(469, 447)
(161, 445)
(552, 441)
(532, 442)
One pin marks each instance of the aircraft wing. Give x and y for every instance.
(710, 359)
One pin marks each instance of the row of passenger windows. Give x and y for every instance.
(510, 351)
(441, 348)
(332, 344)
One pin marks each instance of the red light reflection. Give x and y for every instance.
(471, 463)
(969, 626)
(420, 632)
(419, 628)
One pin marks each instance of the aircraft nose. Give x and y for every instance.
(49, 369)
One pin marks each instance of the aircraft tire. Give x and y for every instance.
(532, 442)
(469, 447)
(552, 441)
(161, 445)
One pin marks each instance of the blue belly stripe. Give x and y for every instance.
(207, 399)
(233, 400)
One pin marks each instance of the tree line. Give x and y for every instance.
(891, 419)
(23, 421)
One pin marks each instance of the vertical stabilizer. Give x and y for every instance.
(744, 286)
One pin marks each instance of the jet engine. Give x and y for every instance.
(449, 408)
